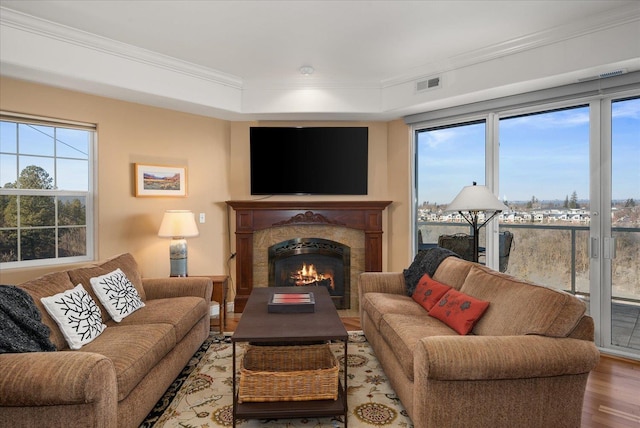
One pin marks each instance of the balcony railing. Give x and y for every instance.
(557, 255)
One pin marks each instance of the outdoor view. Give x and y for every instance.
(544, 179)
(44, 174)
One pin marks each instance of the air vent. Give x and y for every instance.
(428, 84)
(604, 75)
(611, 73)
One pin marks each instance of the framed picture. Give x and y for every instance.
(160, 180)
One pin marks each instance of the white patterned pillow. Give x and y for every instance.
(77, 315)
(118, 295)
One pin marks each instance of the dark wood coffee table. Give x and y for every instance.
(257, 325)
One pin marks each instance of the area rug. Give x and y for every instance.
(201, 396)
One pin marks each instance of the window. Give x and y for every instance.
(565, 162)
(448, 158)
(46, 193)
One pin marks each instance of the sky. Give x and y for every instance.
(545, 156)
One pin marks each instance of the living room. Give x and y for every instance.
(159, 117)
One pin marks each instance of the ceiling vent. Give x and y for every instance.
(428, 84)
(604, 75)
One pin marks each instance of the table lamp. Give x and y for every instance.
(178, 225)
(471, 200)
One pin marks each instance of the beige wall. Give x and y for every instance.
(216, 153)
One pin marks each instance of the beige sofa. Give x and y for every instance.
(525, 363)
(115, 380)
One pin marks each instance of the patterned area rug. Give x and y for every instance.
(201, 396)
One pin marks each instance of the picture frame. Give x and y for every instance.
(160, 180)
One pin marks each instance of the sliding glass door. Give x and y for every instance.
(569, 173)
(620, 323)
(544, 179)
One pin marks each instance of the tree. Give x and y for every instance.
(35, 210)
(566, 202)
(573, 203)
(630, 203)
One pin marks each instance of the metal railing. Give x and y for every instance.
(434, 229)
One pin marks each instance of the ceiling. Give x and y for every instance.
(359, 49)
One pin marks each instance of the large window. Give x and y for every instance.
(46, 191)
(568, 172)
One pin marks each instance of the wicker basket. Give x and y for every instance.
(288, 373)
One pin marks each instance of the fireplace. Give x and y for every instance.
(254, 216)
(312, 262)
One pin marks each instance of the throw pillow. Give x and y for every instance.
(459, 311)
(77, 315)
(118, 295)
(429, 292)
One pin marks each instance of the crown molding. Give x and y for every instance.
(620, 16)
(63, 33)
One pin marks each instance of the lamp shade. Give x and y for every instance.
(476, 198)
(178, 224)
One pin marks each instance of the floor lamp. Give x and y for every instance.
(470, 202)
(178, 225)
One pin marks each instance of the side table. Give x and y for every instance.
(219, 294)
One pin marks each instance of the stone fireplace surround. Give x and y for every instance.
(252, 217)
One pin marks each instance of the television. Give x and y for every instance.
(309, 160)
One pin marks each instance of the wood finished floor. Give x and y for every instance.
(612, 397)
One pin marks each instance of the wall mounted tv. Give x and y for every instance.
(309, 160)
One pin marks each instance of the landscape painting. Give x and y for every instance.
(160, 180)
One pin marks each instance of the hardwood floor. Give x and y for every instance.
(612, 398)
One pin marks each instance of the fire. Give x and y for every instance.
(308, 275)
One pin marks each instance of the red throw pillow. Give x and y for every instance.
(428, 292)
(459, 311)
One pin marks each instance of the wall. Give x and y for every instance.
(216, 153)
(130, 133)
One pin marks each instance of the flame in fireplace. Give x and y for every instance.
(308, 275)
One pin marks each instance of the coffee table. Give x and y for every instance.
(257, 325)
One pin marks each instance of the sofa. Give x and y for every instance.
(524, 362)
(118, 377)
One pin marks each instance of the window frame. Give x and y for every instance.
(88, 195)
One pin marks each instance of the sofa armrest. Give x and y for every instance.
(58, 378)
(501, 381)
(161, 288)
(381, 282)
(502, 357)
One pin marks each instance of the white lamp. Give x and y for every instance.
(471, 200)
(178, 225)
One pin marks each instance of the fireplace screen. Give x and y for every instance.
(312, 262)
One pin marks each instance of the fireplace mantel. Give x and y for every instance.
(258, 215)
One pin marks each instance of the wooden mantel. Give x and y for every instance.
(258, 215)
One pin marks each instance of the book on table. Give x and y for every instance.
(291, 302)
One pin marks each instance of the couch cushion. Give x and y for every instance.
(45, 286)
(453, 271)
(429, 292)
(129, 266)
(379, 304)
(134, 351)
(402, 332)
(459, 311)
(518, 307)
(182, 313)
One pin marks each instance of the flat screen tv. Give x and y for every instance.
(309, 160)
